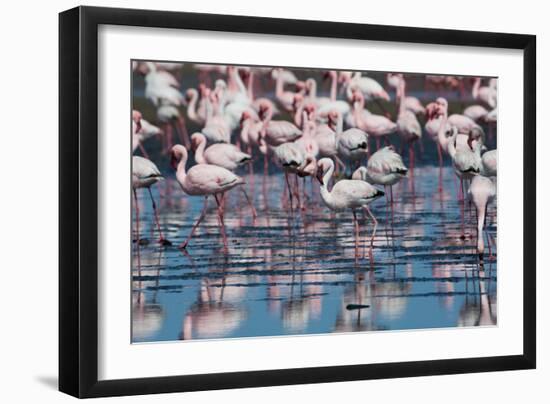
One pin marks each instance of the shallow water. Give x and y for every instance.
(299, 274)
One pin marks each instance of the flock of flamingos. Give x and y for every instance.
(325, 138)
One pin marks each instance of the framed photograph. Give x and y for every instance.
(252, 201)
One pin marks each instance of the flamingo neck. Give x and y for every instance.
(441, 132)
(325, 193)
(244, 131)
(199, 153)
(279, 85)
(333, 88)
(181, 175)
(312, 88)
(251, 85)
(480, 225)
(475, 88)
(192, 107)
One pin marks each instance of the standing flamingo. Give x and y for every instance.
(408, 126)
(348, 194)
(482, 191)
(375, 125)
(203, 180)
(144, 174)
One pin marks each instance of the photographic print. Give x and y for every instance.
(272, 201)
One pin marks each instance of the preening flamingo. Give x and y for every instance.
(144, 174)
(385, 167)
(348, 194)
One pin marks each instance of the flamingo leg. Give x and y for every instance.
(367, 209)
(162, 240)
(289, 193)
(297, 191)
(201, 217)
(356, 225)
(249, 202)
(137, 230)
(219, 202)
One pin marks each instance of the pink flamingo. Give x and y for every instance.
(224, 155)
(375, 125)
(413, 104)
(196, 111)
(285, 98)
(408, 126)
(203, 180)
(144, 174)
(487, 95)
(216, 129)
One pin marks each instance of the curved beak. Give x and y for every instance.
(173, 161)
(319, 176)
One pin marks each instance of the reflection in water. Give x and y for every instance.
(299, 275)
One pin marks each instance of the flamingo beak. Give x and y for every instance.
(470, 140)
(174, 161)
(319, 176)
(138, 126)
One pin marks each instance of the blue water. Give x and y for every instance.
(297, 275)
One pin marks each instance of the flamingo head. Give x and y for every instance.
(176, 154)
(300, 86)
(136, 117)
(244, 117)
(310, 109)
(322, 167)
(196, 139)
(297, 100)
(344, 77)
(333, 116)
(475, 134)
(264, 109)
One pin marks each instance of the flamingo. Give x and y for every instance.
(408, 126)
(413, 104)
(291, 157)
(277, 132)
(487, 95)
(466, 161)
(348, 194)
(144, 174)
(475, 112)
(223, 155)
(352, 144)
(482, 191)
(195, 113)
(203, 180)
(375, 125)
(285, 98)
(462, 122)
(489, 163)
(371, 89)
(215, 128)
(385, 167)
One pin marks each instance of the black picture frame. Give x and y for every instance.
(78, 201)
